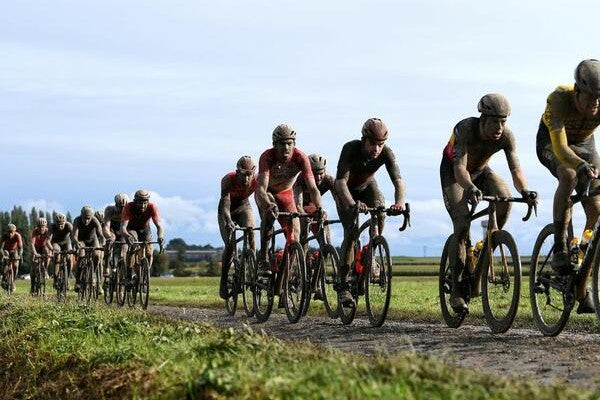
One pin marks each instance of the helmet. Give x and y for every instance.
(87, 211)
(141, 195)
(121, 199)
(587, 76)
(42, 221)
(245, 164)
(99, 215)
(374, 128)
(494, 105)
(11, 227)
(60, 217)
(317, 162)
(283, 132)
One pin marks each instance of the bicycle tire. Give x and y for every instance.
(595, 284)
(89, 282)
(232, 296)
(264, 295)
(296, 285)
(452, 318)
(347, 314)
(543, 290)
(496, 294)
(62, 286)
(81, 267)
(144, 285)
(109, 287)
(121, 282)
(248, 268)
(329, 261)
(132, 291)
(378, 281)
(10, 279)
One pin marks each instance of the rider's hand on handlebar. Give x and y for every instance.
(362, 207)
(161, 241)
(530, 196)
(474, 195)
(274, 210)
(587, 169)
(397, 208)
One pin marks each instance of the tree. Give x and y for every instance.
(160, 263)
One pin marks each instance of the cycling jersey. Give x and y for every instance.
(12, 243)
(39, 238)
(282, 175)
(112, 214)
(87, 233)
(61, 236)
(566, 125)
(237, 191)
(466, 141)
(139, 220)
(355, 165)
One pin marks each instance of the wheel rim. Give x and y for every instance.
(295, 289)
(231, 300)
(452, 318)
(248, 283)
(328, 282)
(378, 282)
(144, 284)
(550, 306)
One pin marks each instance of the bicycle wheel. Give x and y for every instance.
(264, 294)
(89, 282)
(347, 313)
(295, 285)
(109, 286)
(329, 260)
(121, 282)
(81, 270)
(551, 302)
(62, 284)
(501, 282)
(10, 280)
(133, 290)
(378, 281)
(248, 268)
(232, 295)
(144, 286)
(452, 318)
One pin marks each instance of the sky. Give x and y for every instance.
(105, 97)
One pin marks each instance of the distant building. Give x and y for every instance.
(196, 255)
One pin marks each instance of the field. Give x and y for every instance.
(71, 351)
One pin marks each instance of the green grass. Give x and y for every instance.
(69, 351)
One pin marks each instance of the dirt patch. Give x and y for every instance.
(571, 357)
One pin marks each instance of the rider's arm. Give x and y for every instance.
(99, 233)
(108, 235)
(261, 190)
(461, 174)
(156, 221)
(225, 203)
(124, 232)
(309, 181)
(394, 172)
(341, 179)
(32, 237)
(298, 195)
(558, 135)
(512, 159)
(75, 234)
(20, 245)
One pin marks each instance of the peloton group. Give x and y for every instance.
(289, 180)
(122, 224)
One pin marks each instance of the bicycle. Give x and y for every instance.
(89, 276)
(8, 274)
(553, 295)
(322, 267)
(38, 275)
(111, 282)
(61, 278)
(289, 272)
(371, 270)
(502, 277)
(240, 278)
(139, 285)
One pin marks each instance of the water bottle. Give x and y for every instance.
(574, 251)
(585, 241)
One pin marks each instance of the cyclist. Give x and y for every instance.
(278, 168)
(99, 215)
(565, 145)
(60, 239)
(40, 244)
(87, 232)
(234, 208)
(466, 176)
(135, 224)
(112, 228)
(11, 247)
(356, 188)
(325, 182)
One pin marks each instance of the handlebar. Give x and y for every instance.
(531, 204)
(388, 211)
(586, 192)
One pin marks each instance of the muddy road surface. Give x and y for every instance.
(571, 357)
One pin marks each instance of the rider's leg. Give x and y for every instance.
(373, 197)
(567, 180)
(348, 219)
(266, 228)
(457, 206)
(492, 184)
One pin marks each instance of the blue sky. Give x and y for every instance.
(103, 97)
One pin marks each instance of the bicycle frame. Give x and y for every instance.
(492, 226)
